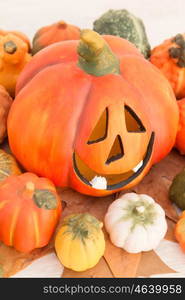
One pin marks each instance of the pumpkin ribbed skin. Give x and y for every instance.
(60, 31)
(80, 242)
(58, 113)
(29, 211)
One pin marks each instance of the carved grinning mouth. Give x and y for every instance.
(112, 181)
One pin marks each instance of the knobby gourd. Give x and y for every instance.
(124, 24)
(169, 57)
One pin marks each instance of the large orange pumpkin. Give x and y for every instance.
(90, 118)
(29, 211)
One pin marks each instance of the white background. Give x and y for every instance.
(162, 18)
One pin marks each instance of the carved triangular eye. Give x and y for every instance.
(116, 151)
(99, 133)
(133, 123)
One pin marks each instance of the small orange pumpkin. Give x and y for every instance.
(169, 57)
(29, 211)
(60, 31)
(13, 57)
(180, 231)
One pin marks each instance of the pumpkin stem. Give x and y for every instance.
(10, 47)
(82, 225)
(30, 186)
(62, 24)
(95, 56)
(140, 209)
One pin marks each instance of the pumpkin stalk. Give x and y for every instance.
(82, 225)
(62, 24)
(140, 209)
(95, 56)
(30, 186)
(10, 47)
(28, 190)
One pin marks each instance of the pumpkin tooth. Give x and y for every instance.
(99, 183)
(139, 165)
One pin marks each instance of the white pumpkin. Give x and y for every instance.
(135, 223)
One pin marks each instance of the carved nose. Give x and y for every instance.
(116, 151)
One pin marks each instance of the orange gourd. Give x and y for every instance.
(29, 211)
(180, 231)
(57, 32)
(169, 57)
(13, 58)
(100, 122)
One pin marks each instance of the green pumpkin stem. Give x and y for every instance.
(45, 199)
(95, 56)
(82, 225)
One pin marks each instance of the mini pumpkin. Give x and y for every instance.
(57, 32)
(13, 58)
(5, 103)
(29, 211)
(8, 165)
(180, 231)
(135, 223)
(169, 57)
(80, 242)
(101, 116)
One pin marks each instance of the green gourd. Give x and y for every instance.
(124, 24)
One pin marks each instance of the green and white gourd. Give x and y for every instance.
(124, 24)
(135, 223)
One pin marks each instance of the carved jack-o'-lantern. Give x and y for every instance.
(86, 120)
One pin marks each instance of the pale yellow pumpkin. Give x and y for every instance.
(80, 242)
